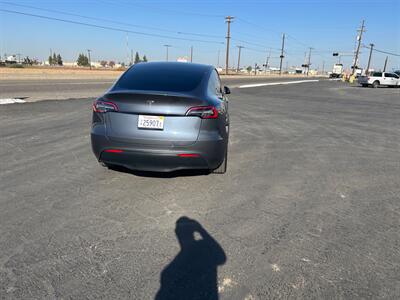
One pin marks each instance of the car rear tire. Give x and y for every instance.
(222, 168)
(375, 84)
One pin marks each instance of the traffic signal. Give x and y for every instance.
(335, 54)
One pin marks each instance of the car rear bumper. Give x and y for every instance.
(207, 154)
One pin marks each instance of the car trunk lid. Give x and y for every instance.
(178, 129)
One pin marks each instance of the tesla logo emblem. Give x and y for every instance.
(150, 102)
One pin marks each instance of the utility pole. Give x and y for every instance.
(369, 58)
(90, 62)
(255, 69)
(384, 67)
(238, 65)
(323, 67)
(267, 62)
(127, 48)
(359, 38)
(228, 37)
(191, 54)
(309, 60)
(282, 56)
(167, 46)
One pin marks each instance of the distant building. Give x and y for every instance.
(11, 59)
(182, 59)
(69, 64)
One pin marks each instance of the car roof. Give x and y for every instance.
(174, 65)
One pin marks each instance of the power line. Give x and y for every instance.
(257, 26)
(382, 51)
(274, 31)
(108, 27)
(168, 10)
(249, 43)
(255, 50)
(297, 41)
(253, 44)
(112, 21)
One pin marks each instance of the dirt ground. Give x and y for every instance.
(56, 73)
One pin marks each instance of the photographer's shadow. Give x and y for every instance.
(193, 272)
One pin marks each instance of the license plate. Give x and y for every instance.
(151, 122)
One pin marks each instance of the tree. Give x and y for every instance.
(249, 68)
(137, 58)
(111, 63)
(28, 61)
(54, 60)
(103, 63)
(144, 58)
(50, 60)
(59, 60)
(83, 60)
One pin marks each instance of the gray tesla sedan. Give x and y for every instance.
(162, 117)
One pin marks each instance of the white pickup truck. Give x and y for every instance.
(380, 78)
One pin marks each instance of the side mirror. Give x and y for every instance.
(226, 90)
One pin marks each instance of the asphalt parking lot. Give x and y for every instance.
(32, 90)
(309, 207)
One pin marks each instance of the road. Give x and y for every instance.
(50, 89)
(309, 207)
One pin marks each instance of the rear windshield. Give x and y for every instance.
(177, 77)
(377, 74)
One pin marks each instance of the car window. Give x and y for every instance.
(174, 78)
(214, 84)
(396, 76)
(377, 74)
(391, 75)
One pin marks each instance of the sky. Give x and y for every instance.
(146, 26)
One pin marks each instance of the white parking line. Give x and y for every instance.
(11, 101)
(276, 83)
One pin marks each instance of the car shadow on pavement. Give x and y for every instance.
(193, 273)
(180, 173)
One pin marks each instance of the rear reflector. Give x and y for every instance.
(113, 151)
(188, 155)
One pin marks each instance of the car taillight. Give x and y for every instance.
(113, 150)
(100, 106)
(188, 155)
(204, 112)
